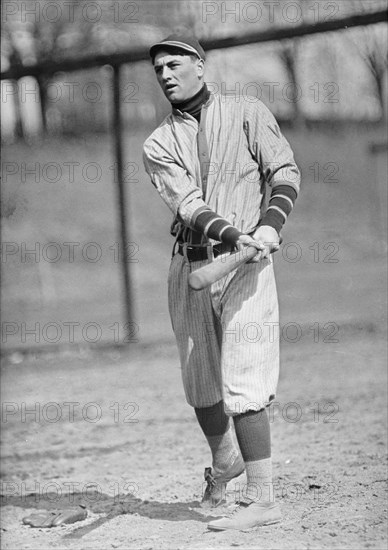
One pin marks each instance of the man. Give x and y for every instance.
(211, 160)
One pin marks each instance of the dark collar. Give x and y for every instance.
(194, 104)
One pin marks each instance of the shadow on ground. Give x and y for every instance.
(101, 503)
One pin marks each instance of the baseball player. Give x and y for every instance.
(211, 161)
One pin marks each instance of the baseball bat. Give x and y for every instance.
(210, 273)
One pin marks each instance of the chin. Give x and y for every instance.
(174, 98)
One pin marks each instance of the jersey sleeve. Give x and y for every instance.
(184, 198)
(273, 154)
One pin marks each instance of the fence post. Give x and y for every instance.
(121, 195)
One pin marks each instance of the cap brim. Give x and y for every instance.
(173, 44)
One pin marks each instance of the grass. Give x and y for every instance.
(341, 202)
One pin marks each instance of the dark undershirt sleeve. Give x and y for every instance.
(215, 227)
(279, 207)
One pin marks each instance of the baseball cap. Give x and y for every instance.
(188, 44)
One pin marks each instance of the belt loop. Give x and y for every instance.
(210, 255)
(184, 249)
(174, 248)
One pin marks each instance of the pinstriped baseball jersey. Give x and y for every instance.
(223, 163)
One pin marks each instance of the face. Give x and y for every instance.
(180, 76)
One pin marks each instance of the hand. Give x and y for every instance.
(268, 237)
(246, 240)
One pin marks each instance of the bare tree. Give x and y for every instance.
(371, 44)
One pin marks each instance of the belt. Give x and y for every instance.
(198, 253)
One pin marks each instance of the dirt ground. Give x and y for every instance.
(109, 427)
(111, 430)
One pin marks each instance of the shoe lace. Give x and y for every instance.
(210, 479)
(234, 508)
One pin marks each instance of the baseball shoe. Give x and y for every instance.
(215, 492)
(247, 516)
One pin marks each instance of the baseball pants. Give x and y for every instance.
(227, 335)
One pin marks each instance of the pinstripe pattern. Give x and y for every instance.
(198, 336)
(226, 351)
(222, 163)
(227, 347)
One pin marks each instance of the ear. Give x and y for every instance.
(200, 68)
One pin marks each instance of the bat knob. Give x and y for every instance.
(195, 281)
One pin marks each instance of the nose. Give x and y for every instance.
(165, 76)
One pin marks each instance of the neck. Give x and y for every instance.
(193, 105)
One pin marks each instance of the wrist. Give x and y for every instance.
(273, 219)
(230, 235)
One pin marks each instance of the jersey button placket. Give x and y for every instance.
(203, 151)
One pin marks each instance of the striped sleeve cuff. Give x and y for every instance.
(215, 227)
(279, 207)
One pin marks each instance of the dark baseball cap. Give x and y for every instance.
(188, 44)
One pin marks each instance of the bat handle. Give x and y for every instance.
(207, 275)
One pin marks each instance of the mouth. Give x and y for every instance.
(170, 87)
